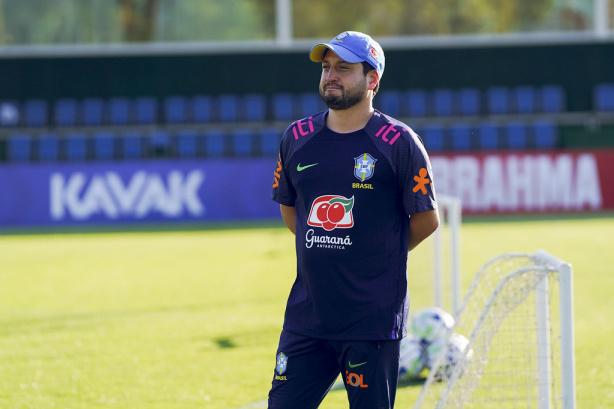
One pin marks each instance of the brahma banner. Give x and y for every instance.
(528, 182)
(227, 190)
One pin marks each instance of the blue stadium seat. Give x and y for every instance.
(92, 111)
(255, 107)
(545, 133)
(19, 147)
(187, 143)
(65, 112)
(603, 97)
(461, 136)
(48, 147)
(498, 100)
(284, 107)
(310, 103)
(433, 137)
(75, 146)
(469, 103)
(442, 102)
(488, 136)
(228, 108)
(214, 143)
(104, 145)
(175, 109)
(146, 110)
(9, 113)
(119, 111)
(201, 109)
(416, 103)
(552, 99)
(517, 135)
(270, 139)
(132, 144)
(242, 142)
(390, 102)
(159, 143)
(524, 100)
(35, 113)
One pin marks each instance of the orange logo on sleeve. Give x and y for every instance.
(276, 173)
(422, 181)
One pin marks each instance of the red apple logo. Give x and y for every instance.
(331, 211)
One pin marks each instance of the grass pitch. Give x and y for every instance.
(191, 319)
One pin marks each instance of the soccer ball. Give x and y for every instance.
(413, 358)
(431, 324)
(453, 352)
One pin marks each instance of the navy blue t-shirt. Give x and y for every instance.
(353, 194)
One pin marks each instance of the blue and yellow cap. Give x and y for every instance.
(353, 47)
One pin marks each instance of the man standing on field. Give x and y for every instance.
(355, 187)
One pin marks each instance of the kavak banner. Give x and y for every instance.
(135, 192)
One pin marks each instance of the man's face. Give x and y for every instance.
(342, 84)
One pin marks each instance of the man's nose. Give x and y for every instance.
(331, 74)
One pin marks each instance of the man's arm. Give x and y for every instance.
(421, 225)
(289, 215)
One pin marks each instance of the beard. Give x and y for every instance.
(348, 98)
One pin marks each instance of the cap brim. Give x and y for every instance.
(317, 53)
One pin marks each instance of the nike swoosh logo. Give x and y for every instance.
(301, 168)
(354, 366)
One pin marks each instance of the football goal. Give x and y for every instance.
(518, 318)
(446, 253)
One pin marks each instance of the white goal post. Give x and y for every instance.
(450, 215)
(521, 340)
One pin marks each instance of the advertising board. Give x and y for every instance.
(233, 190)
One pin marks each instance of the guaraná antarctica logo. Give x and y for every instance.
(332, 211)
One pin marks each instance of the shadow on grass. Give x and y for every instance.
(411, 382)
(143, 227)
(273, 223)
(225, 343)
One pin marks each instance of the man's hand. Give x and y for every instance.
(421, 225)
(289, 215)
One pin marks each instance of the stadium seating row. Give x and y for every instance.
(471, 102)
(540, 134)
(177, 109)
(243, 142)
(200, 109)
(134, 144)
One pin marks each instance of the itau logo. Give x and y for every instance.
(331, 212)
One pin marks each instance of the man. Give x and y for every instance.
(355, 187)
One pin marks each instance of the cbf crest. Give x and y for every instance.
(340, 37)
(364, 167)
(282, 363)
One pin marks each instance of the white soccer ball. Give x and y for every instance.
(413, 358)
(430, 324)
(453, 353)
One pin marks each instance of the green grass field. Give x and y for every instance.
(191, 319)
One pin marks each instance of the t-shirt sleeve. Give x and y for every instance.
(283, 192)
(416, 177)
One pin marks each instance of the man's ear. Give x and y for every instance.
(373, 79)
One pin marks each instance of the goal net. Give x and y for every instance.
(518, 318)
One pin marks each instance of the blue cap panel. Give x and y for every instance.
(353, 47)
